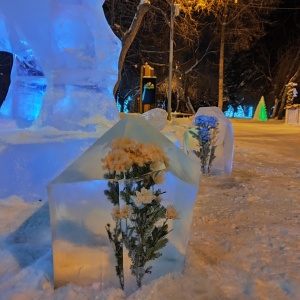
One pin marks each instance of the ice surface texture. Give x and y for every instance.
(68, 46)
(80, 210)
(28, 167)
(157, 117)
(224, 150)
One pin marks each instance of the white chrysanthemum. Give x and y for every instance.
(171, 212)
(143, 197)
(116, 213)
(126, 212)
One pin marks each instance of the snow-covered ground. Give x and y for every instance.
(244, 239)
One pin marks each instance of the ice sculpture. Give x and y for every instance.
(224, 142)
(84, 210)
(157, 117)
(67, 45)
(26, 92)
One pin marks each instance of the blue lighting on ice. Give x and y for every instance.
(30, 101)
(68, 47)
(245, 112)
(126, 105)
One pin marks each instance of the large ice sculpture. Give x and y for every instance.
(72, 46)
(224, 142)
(81, 204)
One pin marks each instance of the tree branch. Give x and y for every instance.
(129, 36)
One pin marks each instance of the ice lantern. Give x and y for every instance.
(224, 143)
(80, 213)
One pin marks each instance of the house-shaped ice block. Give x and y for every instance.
(80, 212)
(222, 164)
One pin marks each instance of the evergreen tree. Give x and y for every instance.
(261, 111)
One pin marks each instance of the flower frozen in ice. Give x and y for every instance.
(207, 128)
(204, 133)
(157, 166)
(171, 212)
(142, 165)
(159, 177)
(206, 121)
(125, 212)
(158, 198)
(118, 161)
(116, 213)
(143, 197)
(128, 154)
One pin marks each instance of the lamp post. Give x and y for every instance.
(171, 61)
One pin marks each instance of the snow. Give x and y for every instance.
(244, 240)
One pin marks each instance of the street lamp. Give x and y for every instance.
(171, 61)
(174, 13)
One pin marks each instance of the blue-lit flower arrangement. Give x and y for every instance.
(207, 128)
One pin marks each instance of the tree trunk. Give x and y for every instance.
(129, 36)
(276, 104)
(221, 62)
(282, 105)
(112, 18)
(187, 99)
(190, 106)
(178, 100)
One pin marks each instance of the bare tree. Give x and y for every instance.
(146, 37)
(143, 29)
(240, 24)
(127, 36)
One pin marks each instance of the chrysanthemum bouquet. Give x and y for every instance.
(207, 128)
(134, 168)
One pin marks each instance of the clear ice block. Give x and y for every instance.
(224, 143)
(80, 211)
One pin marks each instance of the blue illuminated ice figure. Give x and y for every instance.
(76, 53)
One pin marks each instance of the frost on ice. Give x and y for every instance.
(80, 211)
(65, 63)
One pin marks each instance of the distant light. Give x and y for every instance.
(119, 106)
(250, 112)
(126, 108)
(229, 112)
(245, 112)
(239, 113)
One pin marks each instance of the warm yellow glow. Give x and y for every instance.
(81, 264)
(202, 3)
